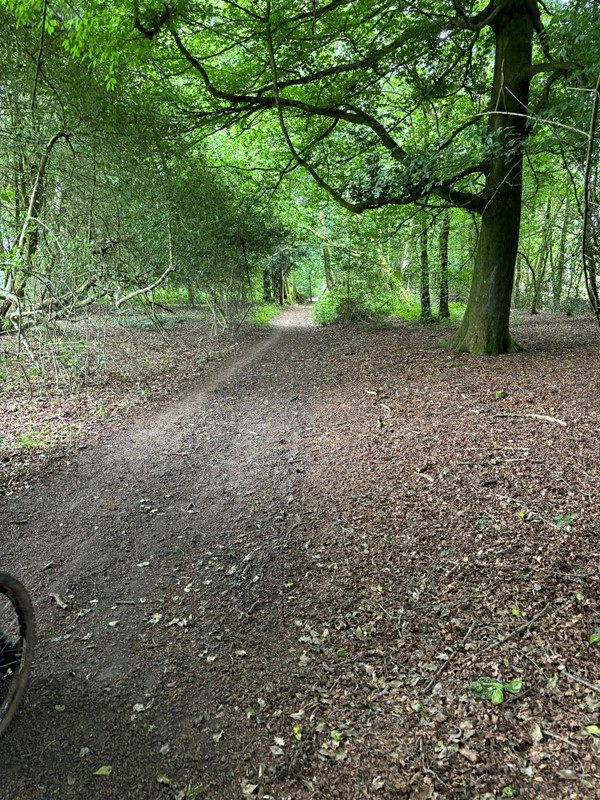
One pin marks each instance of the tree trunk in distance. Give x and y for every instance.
(426, 316)
(485, 326)
(542, 260)
(559, 272)
(327, 268)
(190, 294)
(517, 293)
(267, 283)
(444, 310)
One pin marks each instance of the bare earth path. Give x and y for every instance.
(282, 584)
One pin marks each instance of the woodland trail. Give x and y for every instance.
(281, 584)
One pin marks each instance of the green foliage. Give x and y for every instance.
(363, 306)
(263, 313)
(134, 185)
(493, 690)
(564, 520)
(337, 306)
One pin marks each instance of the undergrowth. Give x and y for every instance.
(337, 306)
(263, 313)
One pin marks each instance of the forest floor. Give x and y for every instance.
(282, 581)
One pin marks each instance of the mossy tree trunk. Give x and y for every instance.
(485, 326)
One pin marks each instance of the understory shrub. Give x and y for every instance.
(338, 306)
(263, 313)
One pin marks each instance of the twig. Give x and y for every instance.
(583, 681)
(516, 631)
(560, 738)
(427, 770)
(543, 417)
(529, 510)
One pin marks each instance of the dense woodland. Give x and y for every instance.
(390, 160)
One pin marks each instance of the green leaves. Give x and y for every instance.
(595, 637)
(493, 690)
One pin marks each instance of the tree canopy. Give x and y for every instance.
(382, 104)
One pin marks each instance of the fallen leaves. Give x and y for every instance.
(103, 771)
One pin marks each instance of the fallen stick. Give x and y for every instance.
(445, 664)
(583, 681)
(543, 417)
(560, 738)
(521, 628)
(531, 416)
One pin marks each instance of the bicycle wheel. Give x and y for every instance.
(17, 634)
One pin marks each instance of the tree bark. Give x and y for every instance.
(485, 326)
(517, 289)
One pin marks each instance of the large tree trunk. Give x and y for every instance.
(484, 329)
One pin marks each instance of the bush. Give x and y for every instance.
(263, 313)
(378, 306)
(362, 305)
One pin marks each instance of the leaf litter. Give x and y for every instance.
(356, 678)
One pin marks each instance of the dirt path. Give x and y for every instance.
(282, 584)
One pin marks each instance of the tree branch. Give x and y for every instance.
(254, 102)
(160, 20)
(549, 66)
(145, 289)
(479, 21)
(37, 186)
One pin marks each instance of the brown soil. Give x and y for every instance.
(281, 584)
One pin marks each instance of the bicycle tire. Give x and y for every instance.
(17, 638)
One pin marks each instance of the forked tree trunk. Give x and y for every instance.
(485, 326)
